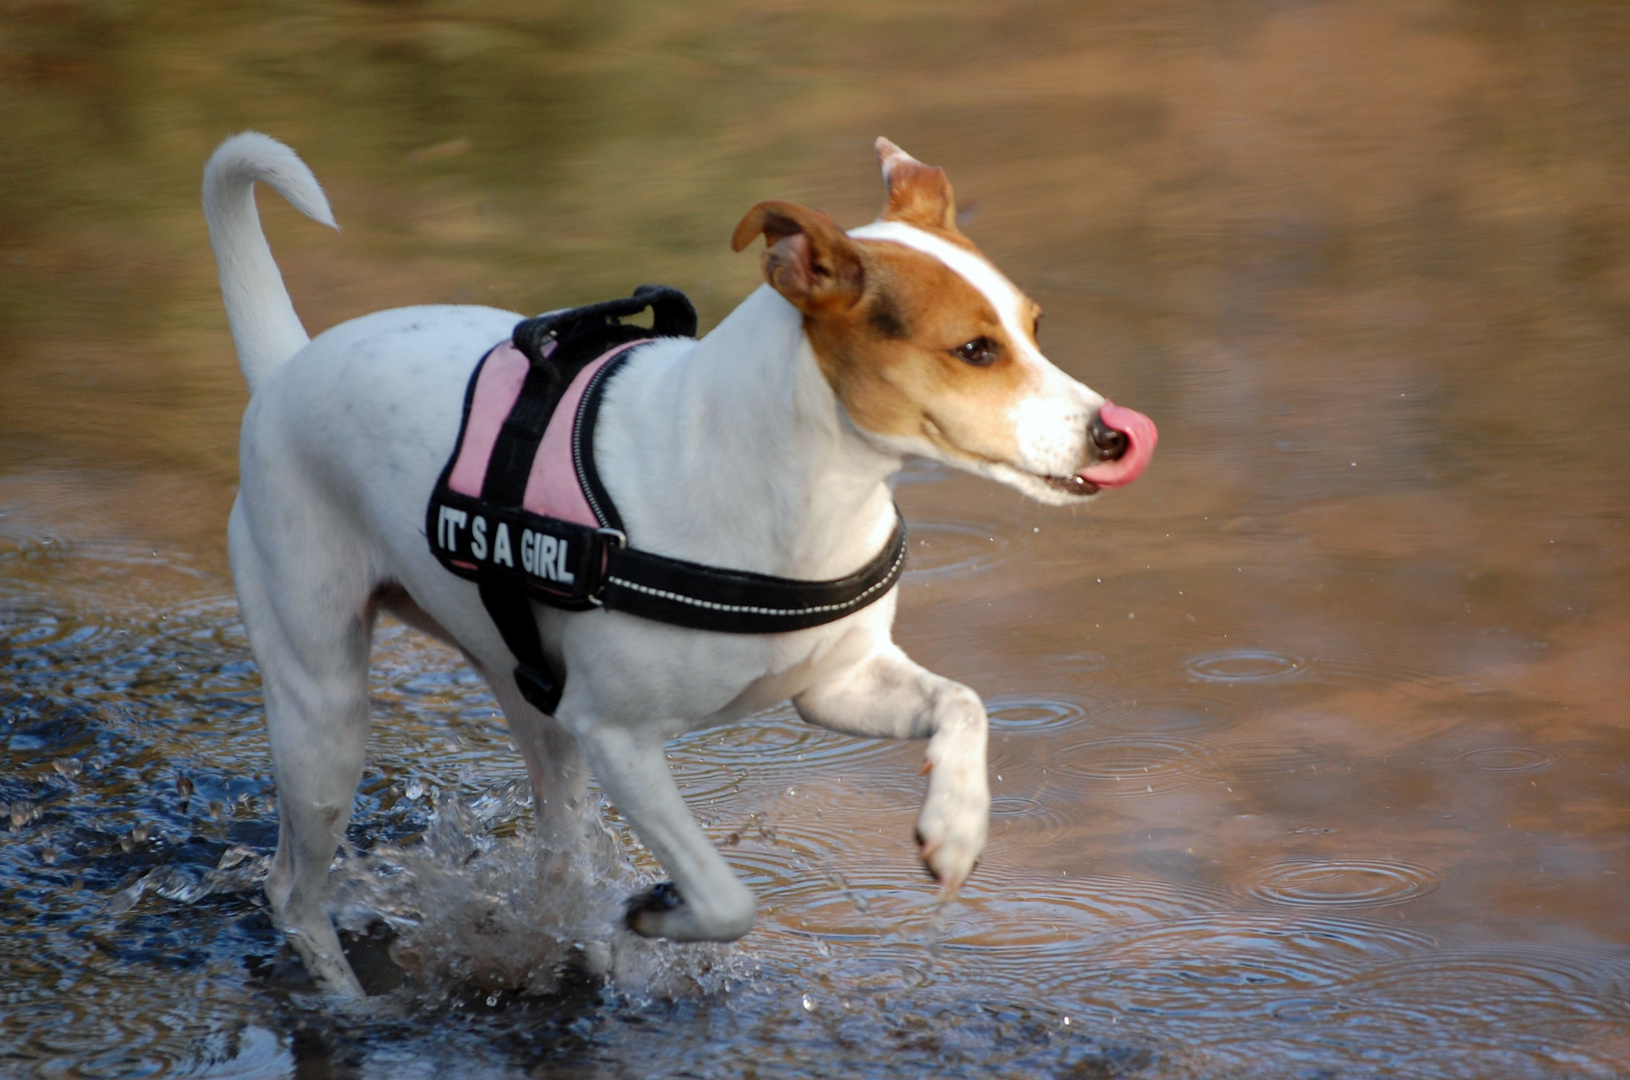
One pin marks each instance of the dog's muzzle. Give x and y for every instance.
(1124, 441)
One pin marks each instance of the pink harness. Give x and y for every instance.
(552, 487)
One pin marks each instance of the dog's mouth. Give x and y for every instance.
(1139, 439)
(1075, 486)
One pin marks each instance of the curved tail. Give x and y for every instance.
(264, 325)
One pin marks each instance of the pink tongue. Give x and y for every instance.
(1141, 437)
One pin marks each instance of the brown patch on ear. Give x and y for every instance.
(810, 261)
(918, 194)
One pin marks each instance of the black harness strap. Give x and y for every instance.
(558, 344)
(708, 598)
(504, 486)
(511, 611)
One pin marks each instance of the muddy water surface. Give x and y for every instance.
(1309, 753)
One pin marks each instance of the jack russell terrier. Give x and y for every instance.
(766, 448)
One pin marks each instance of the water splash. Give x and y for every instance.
(472, 908)
(239, 870)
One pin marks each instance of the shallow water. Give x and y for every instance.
(1309, 750)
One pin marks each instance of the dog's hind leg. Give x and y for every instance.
(889, 695)
(310, 622)
(554, 764)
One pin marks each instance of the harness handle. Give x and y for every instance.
(672, 315)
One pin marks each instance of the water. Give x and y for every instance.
(1309, 750)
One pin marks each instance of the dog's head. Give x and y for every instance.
(933, 351)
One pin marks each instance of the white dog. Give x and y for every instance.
(767, 446)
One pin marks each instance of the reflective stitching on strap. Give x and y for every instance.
(887, 580)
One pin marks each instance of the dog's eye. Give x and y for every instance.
(980, 352)
(1035, 328)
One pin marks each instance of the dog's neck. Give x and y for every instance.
(735, 451)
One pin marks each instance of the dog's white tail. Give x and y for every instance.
(264, 325)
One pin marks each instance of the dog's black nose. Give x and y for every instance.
(1110, 444)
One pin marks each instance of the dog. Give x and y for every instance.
(767, 446)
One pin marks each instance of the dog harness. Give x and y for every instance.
(520, 509)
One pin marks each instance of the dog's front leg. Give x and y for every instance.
(705, 902)
(889, 695)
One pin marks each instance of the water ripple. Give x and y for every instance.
(1075, 663)
(1017, 806)
(1243, 665)
(1134, 765)
(1343, 883)
(945, 549)
(1016, 712)
(1522, 984)
(1126, 946)
(1378, 668)
(1509, 759)
(1280, 763)
(1036, 810)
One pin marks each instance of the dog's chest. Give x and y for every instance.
(636, 671)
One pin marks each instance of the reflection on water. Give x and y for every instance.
(1308, 751)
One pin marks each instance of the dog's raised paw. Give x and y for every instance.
(645, 910)
(952, 827)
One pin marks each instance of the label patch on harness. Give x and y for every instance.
(555, 560)
(541, 554)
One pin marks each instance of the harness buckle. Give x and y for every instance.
(616, 540)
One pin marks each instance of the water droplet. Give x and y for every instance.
(68, 767)
(415, 790)
(492, 999)
(809, 1003)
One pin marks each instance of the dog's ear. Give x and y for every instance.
(810, 261)
(918, 194)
